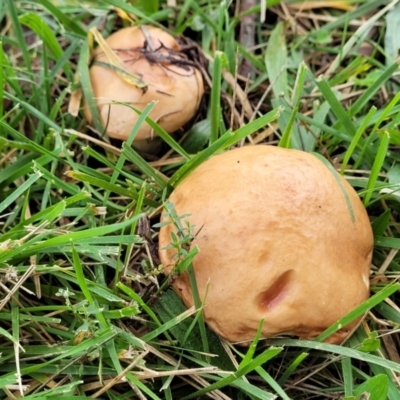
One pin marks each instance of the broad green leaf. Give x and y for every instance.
(375, 388)
(392, 35)
(197, 137)
(41, 28)
(276, 61)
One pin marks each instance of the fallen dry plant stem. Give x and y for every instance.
(91, 139)
(201, 383)
(240, 94)
(149, 374)
(121, 375)
(24, 277)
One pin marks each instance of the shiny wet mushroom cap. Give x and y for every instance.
(280, 237)
(153, 57)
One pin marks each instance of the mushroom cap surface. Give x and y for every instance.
(277, 241)
(178, 87)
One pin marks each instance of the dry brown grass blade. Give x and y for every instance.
(240, 93)
(10, 293)
(385, 265)
(200, 382)
(121, 375)
(391, 348)
(93, 140)
(75, 102)
(125, 16)
(116, 62)
(7, 156)
(309, 5)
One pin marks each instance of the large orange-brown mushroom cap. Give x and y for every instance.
(280, 240)
(178, 88)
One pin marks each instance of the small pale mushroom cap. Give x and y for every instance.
(277, 242)
(177, 88)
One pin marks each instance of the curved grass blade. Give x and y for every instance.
(228, 139)
(215, 105)
(66, 22)
(82, 284)
(340, 350)
(19, 191)
(361, 129)
(360, 310)
(259, 360)
(340, 183)
(379, 160)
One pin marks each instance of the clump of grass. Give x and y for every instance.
(84, 307)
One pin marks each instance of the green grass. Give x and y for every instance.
(85, 311)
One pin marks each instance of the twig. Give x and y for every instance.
(247, 33)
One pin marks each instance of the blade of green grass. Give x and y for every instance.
(131, 138)
(84, 79)
(271, 382)
(33, 111)
(215, 104)
(2, 58)
(152, 19)
(45, 215)
(259, 360)
(376, 168)
(339, 182)
(198, 303)
(384, 115)
(285, 141)
(135, 297)
(254, 391)
(365, 97)
(83, 347)
(228, 139)
(68, 23)
(168, 325)
(353, 144)
(12, 9)
(143, 166)
(82, 284)
(359, 311)
(150, 394)
(392, 243)
(27, 249)
(292, 367)
(336, 106)
(20, 190)
(340, 350)
(167, 138)
(359, 36)
(347, 377)
(252, 348)
(39, 26)
(108, 186)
